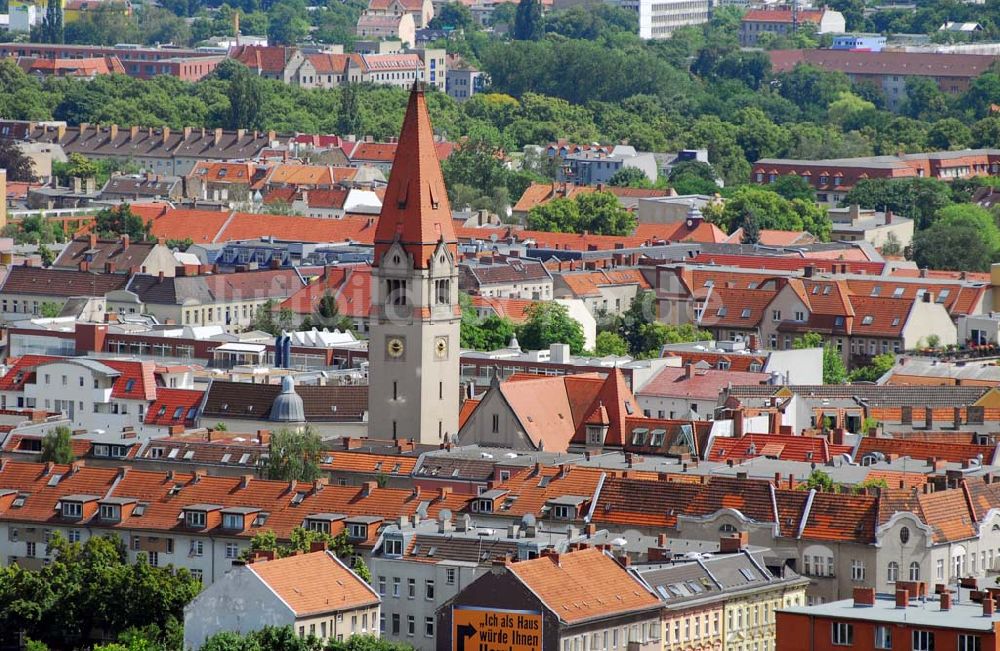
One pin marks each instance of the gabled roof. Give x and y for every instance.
(266, 59)
(776, 446)
(583, 585)
(59, 283)
(956, 451)
(174, 407)
(349, 284)
(314, 584)
(253, 401)
(415, 210)
(124, 256)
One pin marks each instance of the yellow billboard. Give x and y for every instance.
(495, 629)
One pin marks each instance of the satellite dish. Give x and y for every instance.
(445, 515)
(528, 520)
(493, 237)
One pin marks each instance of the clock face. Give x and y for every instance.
(441, 347)
(395, 347)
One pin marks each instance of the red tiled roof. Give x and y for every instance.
(578, 586)
(314, 584)
(785, 263)
(201, 226)
(249, 226)
(172, 407)
(514, 309)
(22, 371)
(737, 361)
(781, 15)
(369, 462)
(776, 446)
(955, 452)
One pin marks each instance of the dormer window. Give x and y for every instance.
(72, 509)
(657, 438)
(483, 506)
(195, 519)
(110, 512)
(639, 435)
(317, 525)
(393, 547)
(232, 521)
(595, 434)
(562, 512)
(358, 531)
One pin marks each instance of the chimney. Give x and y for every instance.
(113, 131)
(125, 241)
(928, 417)
(989, 606)
(590, 529)
(187, 133)
(888, 216)
(166, 134)
(319, 484)
(661, 540)
(902, 598)
(217, 140)
(444, 492)
(864, 597)
(197, 476)
(133, 133)
(734, 542)
(809, 271)
(689, 371)
(945, 601)
(623, 560)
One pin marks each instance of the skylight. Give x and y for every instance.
(868, 320)
(745, 314)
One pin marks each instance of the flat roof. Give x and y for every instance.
(965, 615)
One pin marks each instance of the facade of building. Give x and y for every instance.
(413, 389)
(314, 593)
(140, 62)
(511, 278)
(785, 20)
(658, 20)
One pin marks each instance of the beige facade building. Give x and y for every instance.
(414, 343)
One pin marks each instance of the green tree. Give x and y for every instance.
(349, 113)
(603, 214)
(550, 323)
(45, 253)
(820, 481)
(916, 198)
(19, 167)
(771, 211)
(245, 99)
(327, 315)
(879, 366)
(293, 454)
(57, 446)
(949, 133)
(51, 30)
(962, 238)
(362, 570)
(50, 310)
(120, 220)
(792, 186)
(286, 23)
(610, 343)
(300, 540)
(556, 216)
(453, 15)
(693, 177)
(629, 177)
(528, 22)
(834, 371)
(490, 333)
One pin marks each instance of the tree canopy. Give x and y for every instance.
(57, 445)
(293, 454)
(599, 213)
(550, 323)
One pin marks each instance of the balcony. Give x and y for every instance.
(101, 395)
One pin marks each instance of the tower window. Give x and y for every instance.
(395, 292)
(442, 291)
(394, 394)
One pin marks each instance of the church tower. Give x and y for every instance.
(413, 369)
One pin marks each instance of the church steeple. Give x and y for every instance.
(415, 209)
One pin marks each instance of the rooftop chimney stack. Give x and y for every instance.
(902, 598)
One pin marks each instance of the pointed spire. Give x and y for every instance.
(415, 209)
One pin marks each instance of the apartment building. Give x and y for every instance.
(116, 256)
(140, 62)
(510, 278)
(314, 593)
(606, 291)
(889, 70)
(910, 617)
(658, 20)
(784, 20)
(575, 600)
(26, 289)
(723, 600)
(832, 179)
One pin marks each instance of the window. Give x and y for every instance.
(381, 586)
(232, 521)
(393, 547)
(857, 570)
(395, 623)
(883, 637)
(74, 535)
(745, 314)
(429, 589)
(776, 315)
(843, 634)
(914, 571)
(232, 550)
(496, 423)
(893, 573)
(904, 535)
(72, 509)
(395, 591)
(197, 548)
(429, 629)
(411, 625)
(923, 641)
(969, 643)
(449, 576)
(411, 588)
(195, 519)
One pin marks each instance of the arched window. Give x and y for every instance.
(893, 574)
(914, 571)
(904, 535)
(727, 528)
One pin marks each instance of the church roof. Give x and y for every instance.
(415, 209)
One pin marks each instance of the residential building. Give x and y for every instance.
(230, 300)
(414, 388)
(833, 178)
(79, 69)
(462, 80)
(234, 182)
(604, 292)
(863, 42)
(596, 167)
(560, 600)
(690, 392)
(510, 278)
(26, 289)
(420, 10)
(142, 62)
(784, 20)
(421, 565)
(909, 617)
(314, 593)
(889, 70)
(120, 256)
(659, 20)
(879, 228)
(132, 188)
(388, 26)
(722, 600)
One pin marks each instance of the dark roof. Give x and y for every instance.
(263, 283)
(462, 548)
(63, 283)
(875, 395)
(253, 401)
(432, 465)
(511, 271)
(98, 253)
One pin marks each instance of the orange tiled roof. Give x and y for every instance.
(174, 407)
(515, 309)
(369, 462)
(776, 446)
(583, 585)
(314, 584)
(956, 451)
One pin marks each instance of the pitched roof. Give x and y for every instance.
(314, 584)
(955, 451)
(931, 64)
(268, 59)
(415, 209)
(782, 15)
(514, 309)
(583, 585)
(61, 283)
(776, 446)
(512, 270)
(124, 256)
(174, 407)
(253, 401)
